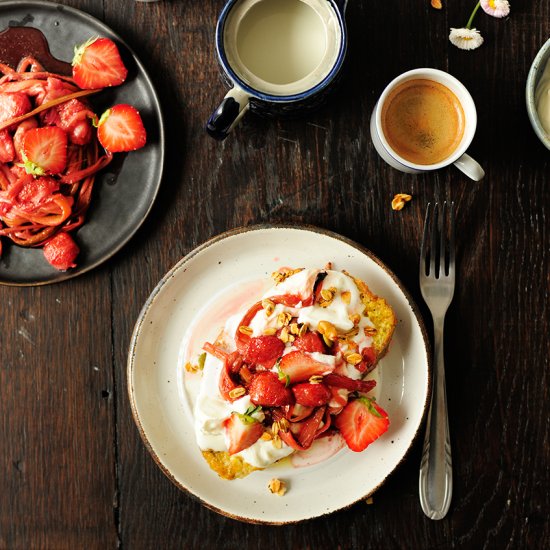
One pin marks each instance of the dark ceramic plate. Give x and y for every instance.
(125, 191)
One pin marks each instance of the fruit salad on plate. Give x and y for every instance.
(52, 144)
(290, 375)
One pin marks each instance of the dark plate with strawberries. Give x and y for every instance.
(55, 222)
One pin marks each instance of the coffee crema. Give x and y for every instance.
(423, 121)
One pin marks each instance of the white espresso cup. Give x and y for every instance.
(458, 157)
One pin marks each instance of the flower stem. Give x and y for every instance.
(471, 20)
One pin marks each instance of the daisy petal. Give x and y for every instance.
(496, 8)
(466, 39)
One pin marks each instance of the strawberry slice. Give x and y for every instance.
(44, 150)
(120, 128)
(241, 431)
(61, 251)
(266, 390)
(361, 422)
(311, 395)
(310, 341)
(97, 64)
(264, 350)
(298, 366)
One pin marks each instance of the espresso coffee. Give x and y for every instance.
(423, 121)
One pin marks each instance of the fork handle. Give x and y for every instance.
(436, 474)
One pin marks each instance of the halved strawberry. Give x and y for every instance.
(241, 431)
(120, 128)
(61, 251)
(266, 390)
(310, 341)
(264, 349)
(44, 150)
(311, 395)
(97, 64)
(298, 366)
(361, 422)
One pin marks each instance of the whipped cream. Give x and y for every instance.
(211, 409)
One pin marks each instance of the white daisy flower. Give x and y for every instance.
(496, 8)
(466, 39)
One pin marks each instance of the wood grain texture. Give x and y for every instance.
(74, 470)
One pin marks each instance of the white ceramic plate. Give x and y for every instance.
(162, 413)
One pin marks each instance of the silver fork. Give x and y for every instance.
(437, 284)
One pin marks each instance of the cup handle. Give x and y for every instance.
(232, 108)
(470, 167)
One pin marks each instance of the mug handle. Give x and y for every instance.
(341, 5)
(232, 108)
(470, 167)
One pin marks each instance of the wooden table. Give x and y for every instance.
(74, 472)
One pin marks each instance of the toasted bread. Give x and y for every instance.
(381, 314)
(227, 466)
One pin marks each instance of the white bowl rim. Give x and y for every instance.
(542, 57)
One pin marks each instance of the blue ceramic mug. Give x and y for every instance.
(279, 56)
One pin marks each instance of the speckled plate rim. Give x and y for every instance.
(80, 15)
(533, 77)
(180, 267)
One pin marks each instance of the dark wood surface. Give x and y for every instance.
(73, 470)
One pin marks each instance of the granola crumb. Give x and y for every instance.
(400, 200)
(369, 500)
(277, 487)
(436, 4)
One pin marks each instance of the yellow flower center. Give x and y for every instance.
(492, 4)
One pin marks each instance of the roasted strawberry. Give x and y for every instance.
(267, 390)
(311, 395)
(61, 251)
(297, 412)
(298, 366)
(7, 150)
(13, 105)
(361, 422)
(45, 150)
(241, 431)
(310, 341)
(36, 191)
(369, 360)
(339, 381)
(120, 128)
(97, 64)
(264, 350)
(311, 427)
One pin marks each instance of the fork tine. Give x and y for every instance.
(433, 245)
(452, 240)
(423, 243)
(443, 240)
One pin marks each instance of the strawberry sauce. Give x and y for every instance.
(19, 42)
